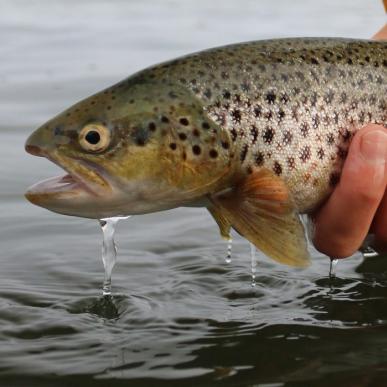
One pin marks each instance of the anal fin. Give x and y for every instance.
(261, 209)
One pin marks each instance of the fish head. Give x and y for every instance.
(121, 151)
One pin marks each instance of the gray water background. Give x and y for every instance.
(180, 316)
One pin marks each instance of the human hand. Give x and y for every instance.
(358, 205)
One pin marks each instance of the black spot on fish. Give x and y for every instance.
(164, 119)
(184, 121)
(152, 126)
(330, 139)
(269, 115)
(321, 153)
(226, 94)
(291, 162)
(277, 168)
(270, 97)
(305, 153)
(328, 97)
(208, 93)
(234, 134)
(173, 146)
(244, 151)
(225, 144)
(254, 133)
(258, 111)
(287, 138)
(259, 159)
(172, 95)
(315, 121)
(284, 98)
(281, 114)
(268, 135)
(182, 136)
(304, 128)
(205, 125)
(285, 77)
(245, 87)
(196, 150)
(140, 135)
(336, 117)
(343, 97)
(224, 75)
(236, 116)
(213, 154)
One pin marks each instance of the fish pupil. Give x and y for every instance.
(93, 137)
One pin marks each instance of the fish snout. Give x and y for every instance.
(38, 142)
(34, 150)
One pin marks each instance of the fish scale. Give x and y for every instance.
(255, 132)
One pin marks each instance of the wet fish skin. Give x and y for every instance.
(256, 132)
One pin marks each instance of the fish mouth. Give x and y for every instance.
(84, 182)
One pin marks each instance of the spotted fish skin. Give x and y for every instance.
(289, 105)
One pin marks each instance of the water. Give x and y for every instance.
(178, 316)
(109, 251)
(332, 267)
(229, 251)
(254, 263)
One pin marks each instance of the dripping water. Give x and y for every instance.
(253, 264)
(109, 251)
(332, 267)
(229, 250)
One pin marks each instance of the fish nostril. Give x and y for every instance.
(34, 150)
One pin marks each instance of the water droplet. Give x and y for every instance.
(368, 252)
(332, 267)
(229, 251)
(109, 251)
(253, 264)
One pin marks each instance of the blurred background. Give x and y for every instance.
(181, 316)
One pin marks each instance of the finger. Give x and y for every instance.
(379, 224)
(343, 222)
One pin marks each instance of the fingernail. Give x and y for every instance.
(373, 146)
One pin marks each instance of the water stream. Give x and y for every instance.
(109, 251)
(253, 263)
(229, 251)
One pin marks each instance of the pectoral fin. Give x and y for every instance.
(261, 209)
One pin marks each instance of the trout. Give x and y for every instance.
(255, 132)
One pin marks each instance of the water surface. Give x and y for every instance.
(180, 315)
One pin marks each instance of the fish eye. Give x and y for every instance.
(94, 137)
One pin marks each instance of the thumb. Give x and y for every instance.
(343, 222)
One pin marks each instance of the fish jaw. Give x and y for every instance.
(80, 192)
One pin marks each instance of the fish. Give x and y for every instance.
(256, 132)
